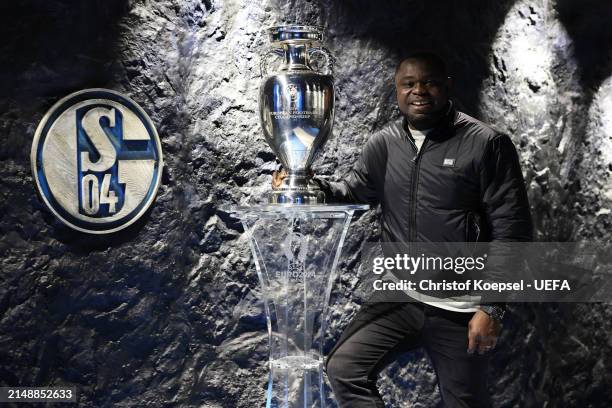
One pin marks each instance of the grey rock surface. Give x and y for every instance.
(167, 312)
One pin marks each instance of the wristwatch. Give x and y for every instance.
(496, 312)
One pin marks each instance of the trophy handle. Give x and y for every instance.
(329, 59)
(263, 65)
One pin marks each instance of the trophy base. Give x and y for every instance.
(297, 189)
(297, 197)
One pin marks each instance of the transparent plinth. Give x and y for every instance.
(296, 249)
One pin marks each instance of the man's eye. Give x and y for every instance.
(408, 85)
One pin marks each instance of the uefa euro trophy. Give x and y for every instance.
(296, 106)
(296, 238)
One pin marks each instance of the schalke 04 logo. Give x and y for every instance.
(97, 160)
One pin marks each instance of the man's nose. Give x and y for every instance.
(419, 88)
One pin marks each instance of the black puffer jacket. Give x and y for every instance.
(465, 184)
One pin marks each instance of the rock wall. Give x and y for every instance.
(166, 312)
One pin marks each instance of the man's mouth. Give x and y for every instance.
(421, 103)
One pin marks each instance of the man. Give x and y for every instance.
(439, 176)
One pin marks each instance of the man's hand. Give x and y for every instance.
(277, 178)
(483, 331)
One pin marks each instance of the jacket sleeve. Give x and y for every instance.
(506, 210)
(503, 193)
(364, 180)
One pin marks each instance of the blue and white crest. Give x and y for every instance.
(97, 161)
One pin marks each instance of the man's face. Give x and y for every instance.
(422, 92)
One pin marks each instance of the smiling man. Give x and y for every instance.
(439, 176)
(422, 86)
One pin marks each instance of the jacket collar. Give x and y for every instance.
(443, 130)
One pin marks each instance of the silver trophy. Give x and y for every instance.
(296, 105)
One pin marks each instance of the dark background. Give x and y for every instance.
(166, 312)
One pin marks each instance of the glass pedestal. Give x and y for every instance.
(296, 249)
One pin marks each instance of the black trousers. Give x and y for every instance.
(380, 331)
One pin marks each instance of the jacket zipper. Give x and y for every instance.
(413, 188)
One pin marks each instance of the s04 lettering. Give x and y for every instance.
(97, 161)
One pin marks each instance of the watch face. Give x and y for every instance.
(97, 161)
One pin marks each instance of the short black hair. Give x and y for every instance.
(430, 57)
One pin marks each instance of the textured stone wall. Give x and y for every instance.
(166, 312)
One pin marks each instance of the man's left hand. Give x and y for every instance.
(483, 331)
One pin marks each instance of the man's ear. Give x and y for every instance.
(449, 83)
